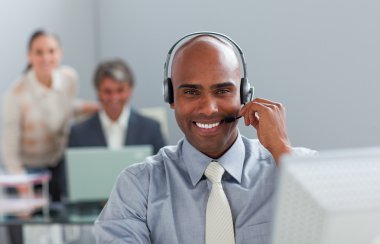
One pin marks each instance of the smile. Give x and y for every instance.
(207, 126)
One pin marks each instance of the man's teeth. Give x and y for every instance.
(207, 126)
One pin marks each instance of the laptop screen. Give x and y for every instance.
(92, 171)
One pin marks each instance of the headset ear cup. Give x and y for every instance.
(244, 90)
(168, 91)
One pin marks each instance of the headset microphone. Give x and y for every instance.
(230, 119)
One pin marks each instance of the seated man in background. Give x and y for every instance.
(116, 124)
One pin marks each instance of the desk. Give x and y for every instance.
(29, 203)
(45, 222)
(65, 223)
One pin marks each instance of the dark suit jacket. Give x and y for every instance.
(141, 130)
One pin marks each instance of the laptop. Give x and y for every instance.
(92, 171)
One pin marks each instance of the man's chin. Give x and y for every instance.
(211, 148)
(113, 113)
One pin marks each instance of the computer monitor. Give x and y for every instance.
(333, 198)
(92, 171)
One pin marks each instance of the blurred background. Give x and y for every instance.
(321, 59)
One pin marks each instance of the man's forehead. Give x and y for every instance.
(211, 64)
(202, 42)
(109, 81)
(205, 59)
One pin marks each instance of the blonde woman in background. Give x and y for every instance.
(37, 110)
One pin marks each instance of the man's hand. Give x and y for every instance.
(268, 118)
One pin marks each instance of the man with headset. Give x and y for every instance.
(215, 185)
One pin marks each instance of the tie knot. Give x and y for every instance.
(214, 172)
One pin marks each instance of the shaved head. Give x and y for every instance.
(206, 47)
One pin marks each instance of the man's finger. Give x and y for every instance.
(266, 101)
(255, 106)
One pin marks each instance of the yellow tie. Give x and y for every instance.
(219, 225)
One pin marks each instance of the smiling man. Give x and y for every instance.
(215, 185)
(206, 81)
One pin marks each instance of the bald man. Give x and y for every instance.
(164, 199)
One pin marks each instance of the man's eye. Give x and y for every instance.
(191, 92)
(222, 91)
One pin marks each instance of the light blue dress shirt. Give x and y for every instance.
(163, 199)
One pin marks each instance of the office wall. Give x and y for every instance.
(320, 59)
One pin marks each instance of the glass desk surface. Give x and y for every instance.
(59, 213)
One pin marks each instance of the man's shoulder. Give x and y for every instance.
(254, 146)
(86, 124)
(142, 119)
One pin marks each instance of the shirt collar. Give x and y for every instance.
(122, 121)
(39, 88)
(196, 162)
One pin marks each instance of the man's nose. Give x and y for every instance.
(114, 96)
(208, 105)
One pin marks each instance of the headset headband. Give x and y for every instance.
(166, 65)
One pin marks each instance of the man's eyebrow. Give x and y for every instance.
(223, 84)
(215, 86)
(192, 86)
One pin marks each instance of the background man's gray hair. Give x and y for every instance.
(115, 69)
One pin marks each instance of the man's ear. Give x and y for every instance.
(172, 105)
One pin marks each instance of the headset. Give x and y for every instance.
(246, 90)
